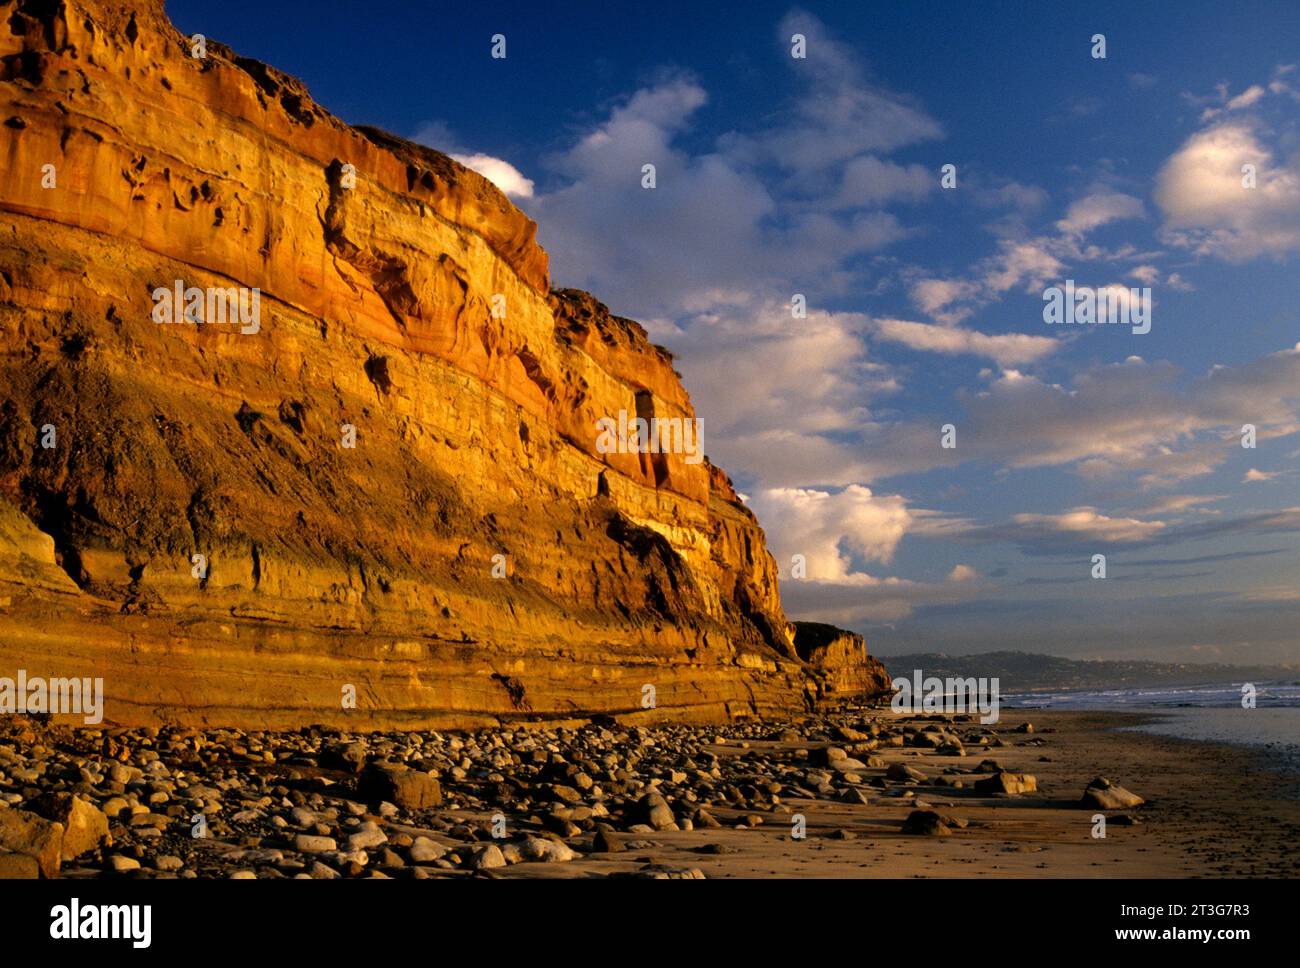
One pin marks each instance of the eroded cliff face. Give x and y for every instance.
(401, 295)
(842, 658)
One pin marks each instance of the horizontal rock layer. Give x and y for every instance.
(842, 657)
(474, 557)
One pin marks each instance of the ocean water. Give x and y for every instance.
(1210, 712)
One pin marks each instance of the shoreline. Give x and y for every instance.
(1283, 762)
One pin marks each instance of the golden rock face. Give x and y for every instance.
(470, 558)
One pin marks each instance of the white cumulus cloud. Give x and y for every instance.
(504, 175)
(1204, 193)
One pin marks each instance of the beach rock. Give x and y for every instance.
(901, 771)
(546, 851)
(16, 867)
(346, 859)
(425, 851)
(486, 857)
(926, 823)
(1102, 794)
(310, 844)
(1009, 783)
(663, 872)
(607, 843)
(829, 756)
(563, 827)
(705, 821)
(397, 783)
(716, 849)
(113, 806)
(565, 794)
(24, 832)
(655, 812)
(366, 838)
(85, 828)
(349, 757)
(847, 765)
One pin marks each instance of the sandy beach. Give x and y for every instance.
(858, 793)
(1211, 811)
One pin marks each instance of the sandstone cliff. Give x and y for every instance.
(842, 658)
(472, 558)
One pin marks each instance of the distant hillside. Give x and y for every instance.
(1027, 672)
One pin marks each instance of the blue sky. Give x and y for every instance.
(821, 176)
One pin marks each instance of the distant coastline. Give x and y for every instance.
(1025, 672)
(1207, 713)
(1186, 701)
